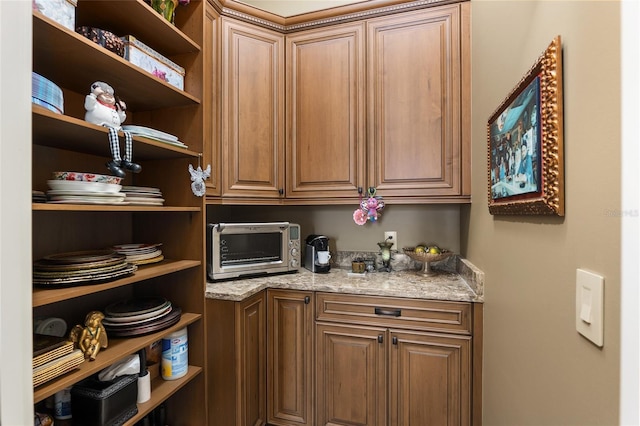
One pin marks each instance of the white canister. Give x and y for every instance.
(175, 355)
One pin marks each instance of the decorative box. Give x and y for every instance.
(104, 38)
(151, 61)
(96, 403)
(61, 11)
(46, 94)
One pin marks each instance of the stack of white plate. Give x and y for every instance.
(82, 192)
(140, 254)
(143, 195)
(154, 134)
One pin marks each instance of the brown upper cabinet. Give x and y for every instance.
(414, 104)
(252, 111)
(325, 112)
(319, 114)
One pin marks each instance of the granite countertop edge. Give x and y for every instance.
(456, 280)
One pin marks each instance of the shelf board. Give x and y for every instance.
(70, 133)
(45, 296)
(116, 350)
(52, 207)
(120, 16)
(161, 390)
(74, 62)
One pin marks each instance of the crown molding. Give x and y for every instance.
(321, 18)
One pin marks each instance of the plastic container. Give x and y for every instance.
(175, 355)
(62, 404)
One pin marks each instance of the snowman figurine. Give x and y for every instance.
(102, 108)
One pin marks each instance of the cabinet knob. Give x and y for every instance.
(394, 340)
(307, 299)
(380, 338)
(280, 191)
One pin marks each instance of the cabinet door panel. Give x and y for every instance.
(430, 379)
(252, 110)
(351, 375)
(211, 98)
(414, 108)
(290, 357)
(250, 332)
(325, 113)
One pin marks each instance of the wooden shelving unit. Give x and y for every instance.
(67, 142)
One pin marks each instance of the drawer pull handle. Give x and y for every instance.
(307, 299)
(380, 338)
(394, 340)
(388, 312)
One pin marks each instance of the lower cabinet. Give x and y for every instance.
(351, 375)
(236, 361)
(291, 358)
(391, 361)
(429, 377)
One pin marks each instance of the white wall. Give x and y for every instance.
(16, 390)
(537, 369)
(630, 296)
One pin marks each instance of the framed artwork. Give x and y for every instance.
(525, 143)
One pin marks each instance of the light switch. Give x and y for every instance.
(589, 305)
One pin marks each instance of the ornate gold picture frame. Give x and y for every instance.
(525, 143)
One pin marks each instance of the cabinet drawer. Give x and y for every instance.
(414, 314)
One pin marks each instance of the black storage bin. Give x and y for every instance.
(96, 403)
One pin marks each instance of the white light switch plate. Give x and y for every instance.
(589, 305)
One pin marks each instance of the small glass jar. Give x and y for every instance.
(357, 266)
(370, 264)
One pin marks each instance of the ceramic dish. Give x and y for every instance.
(79, 273)
(156, 259)
(119, 323)
(75, 185)
(133, 307)
(141, 189)
(147, 202)
(89, 279)
(165, 322)
(82, 256)
(87, 199)
(144, 256)
(77, 193)
(101, 202)
(86, 177)
(136, 248)
(148, 132)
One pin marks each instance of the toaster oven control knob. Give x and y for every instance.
(294, 251)
(294, 263)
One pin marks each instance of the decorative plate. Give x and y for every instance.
(74, 257)
(121, 322)
(88, 279)
(135, 307)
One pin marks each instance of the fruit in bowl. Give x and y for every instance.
(86, 177)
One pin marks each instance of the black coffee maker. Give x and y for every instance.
(317, 257)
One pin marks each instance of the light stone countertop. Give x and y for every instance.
(457, 280)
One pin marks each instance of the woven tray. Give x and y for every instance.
(57, 367)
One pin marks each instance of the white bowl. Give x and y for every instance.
(86, 177)
(75, 185)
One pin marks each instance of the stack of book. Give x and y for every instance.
(52, 357)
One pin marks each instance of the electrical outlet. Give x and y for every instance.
(392, 236)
